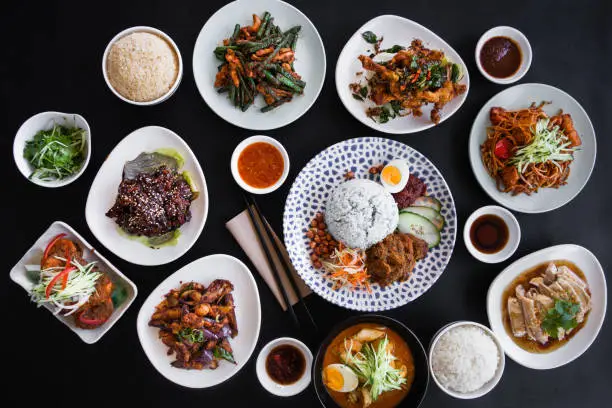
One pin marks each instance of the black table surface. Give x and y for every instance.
(51, 60)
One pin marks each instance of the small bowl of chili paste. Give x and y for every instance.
(284, 367)
(503, 55)
(260, 164)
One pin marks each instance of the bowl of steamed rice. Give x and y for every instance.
(466, 359)
(361, 213)
(142, 66)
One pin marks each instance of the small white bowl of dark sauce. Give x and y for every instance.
(492, 234)
(503, 55)
(284, 367)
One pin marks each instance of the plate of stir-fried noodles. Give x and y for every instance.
(532, 148)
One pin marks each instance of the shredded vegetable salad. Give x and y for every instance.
(374, 366)
(547, 145)
(80, 284)
(347, 266)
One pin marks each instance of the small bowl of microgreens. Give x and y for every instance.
(52, 149)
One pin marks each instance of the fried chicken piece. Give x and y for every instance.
(510, 176)
(567, 125)
(61, 248)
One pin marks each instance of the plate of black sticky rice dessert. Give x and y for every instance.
(149, 202)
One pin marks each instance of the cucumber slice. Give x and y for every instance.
(429, 213)
(427, 201)
(411, 223)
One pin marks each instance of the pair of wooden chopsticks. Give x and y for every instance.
(254, 214)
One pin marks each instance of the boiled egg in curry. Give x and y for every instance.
(394, 176)
(340, 378)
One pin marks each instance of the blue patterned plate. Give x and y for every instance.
(310, 192)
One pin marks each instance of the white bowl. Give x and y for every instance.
(309, 63)
(520, 97)
(45, 121)
(489, 385)
(248, 316)
(401, 31)
(521, 41)
(582, 340)
(34, 254)
(272, 386)
(164, 36)
(514, 231)
(234, 164)
(103, 193)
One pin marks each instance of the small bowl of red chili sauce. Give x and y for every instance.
(284, 367)
(503, 55)
(260, 164)
(492, 234)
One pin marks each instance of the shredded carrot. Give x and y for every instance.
(347, 267)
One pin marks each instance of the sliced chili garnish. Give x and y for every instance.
(63, 273)
(50, 245)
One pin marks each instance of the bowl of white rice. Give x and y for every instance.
(466, 359)
(142, 66)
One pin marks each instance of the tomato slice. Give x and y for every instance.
(503, 148)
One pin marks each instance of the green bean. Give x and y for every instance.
(289, 83)
(264, 23)
(223, 89)
(271, 78)
(276, 104)
(269, 28)
(232, 94)
(288, 75)
(235, 33)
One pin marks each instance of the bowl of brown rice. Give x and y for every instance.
(142, 66)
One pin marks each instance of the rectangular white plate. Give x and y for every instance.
(33, 256)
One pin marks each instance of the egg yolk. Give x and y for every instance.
(391, 175)
(333, 378)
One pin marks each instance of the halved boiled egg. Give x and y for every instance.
(394, 176)
(340, 378)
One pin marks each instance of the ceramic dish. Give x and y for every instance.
(514, 232)
(103, 193)
(45, 121)
(521, 41)
(165, 37)
(248, 316)
(519, 97)
(418, 389)
(310, 63)
(269, 384)
(34, 254)
(234, 164)
(485, 389)
(313, 186)
(583, 339)
(395, 30)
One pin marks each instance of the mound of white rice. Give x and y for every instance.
(361, 213)
(465, 358)
(142, 66)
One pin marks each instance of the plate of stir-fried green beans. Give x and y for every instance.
(52, 149)
(259, 64)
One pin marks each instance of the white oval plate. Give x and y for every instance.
(103, 193)
(309, 63)
(248, 315)
(401, 31)
(578, 344)
(547, 199)
(34, 254)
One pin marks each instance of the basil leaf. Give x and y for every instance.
(220, 352)
(370, 37)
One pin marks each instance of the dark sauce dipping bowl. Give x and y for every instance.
(417, 391)
(519, 39)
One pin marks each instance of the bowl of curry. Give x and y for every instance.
(371, 361)
(260, 164)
